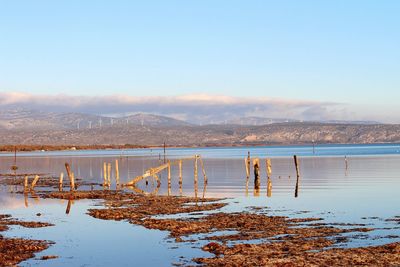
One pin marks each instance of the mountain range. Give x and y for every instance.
(35, 127)
(34, 119)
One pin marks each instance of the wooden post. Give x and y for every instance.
(180, 177)
(26, 184)
(269, 169)
(296, 163)
(180, 172)
(247, 167)
(195, 175)
(204, 190)
(60, 182)
(71, 177)
(256, 166)
(104, 174)
(169, 178)
(164, 152)
(109, 174)
(203, 170)
(248, 163)
(34, 182)
(195, 169)
(73, 180)
(116, 172)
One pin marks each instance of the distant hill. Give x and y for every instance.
(208, 135)
(351, 122)
(144, 119)
(18, 126)
(32, 119)
(258, 121)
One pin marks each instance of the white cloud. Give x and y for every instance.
(197, 108)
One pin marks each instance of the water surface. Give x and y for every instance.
(363, 188)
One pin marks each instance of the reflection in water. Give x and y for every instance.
(26, 199)
(247, 186)
(68, 206)
(256, 191)
(296, 190)
(34, 196)
(269, 187)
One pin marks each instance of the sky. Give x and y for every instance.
(341, 58)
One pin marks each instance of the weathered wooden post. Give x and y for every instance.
(247, 168)
(269, 187)
(60, 182)
(247, 164)
(195, 176)
(180, 172)
(116, 173)
(296, 163)
(169, 178)
(203, 170)
(109, 175)
(180, 177)
(268, 167)
(256, 166)
(73, 180)
(34, 182)
(26, 189)
(104, 173)
(204, 190)
(164, 153)
(71, 177)
(195, 169)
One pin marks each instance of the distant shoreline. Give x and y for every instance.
(33, 148)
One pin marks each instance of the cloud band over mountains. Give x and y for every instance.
(195, 108)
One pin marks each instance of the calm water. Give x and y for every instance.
(367, 188)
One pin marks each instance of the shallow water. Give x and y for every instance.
(367, 188)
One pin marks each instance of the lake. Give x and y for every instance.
(340, 183)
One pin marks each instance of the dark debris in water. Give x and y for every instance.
(15, 250)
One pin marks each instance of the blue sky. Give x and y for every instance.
(345, 52)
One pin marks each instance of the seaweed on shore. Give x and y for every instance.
(283, 241)
(16, 250)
